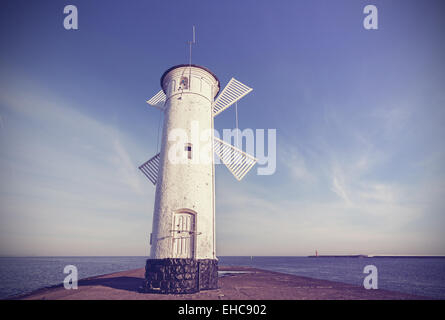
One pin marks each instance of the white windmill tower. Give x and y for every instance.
(183, 257)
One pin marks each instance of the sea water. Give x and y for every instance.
(424, 276)
(420, 276)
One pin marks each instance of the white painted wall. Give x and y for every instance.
(190, 185)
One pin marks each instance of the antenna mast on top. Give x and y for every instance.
(190, 57)
(190, 47)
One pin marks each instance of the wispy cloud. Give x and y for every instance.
(295, 163)
(249, 223)
(297, 166)
(127, 168)
(354, 202)
(339, 188)
(67, 177)
(393, 119)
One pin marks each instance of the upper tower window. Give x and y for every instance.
(184, 83)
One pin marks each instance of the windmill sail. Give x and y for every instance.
(151, 169)
(231, 93)
(158, 100)
(236, 160)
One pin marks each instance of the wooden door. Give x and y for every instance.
(183, 235)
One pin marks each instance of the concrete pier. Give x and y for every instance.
(238, 283)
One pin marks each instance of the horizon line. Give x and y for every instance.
(320, 255)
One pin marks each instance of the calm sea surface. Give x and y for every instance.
(420, 276)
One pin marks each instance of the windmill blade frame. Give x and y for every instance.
(237, 161)
(158, 100)
(150, 168)
(231, 93)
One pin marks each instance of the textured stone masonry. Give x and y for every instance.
(180, 275)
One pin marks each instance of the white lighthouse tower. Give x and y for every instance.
(183, 254)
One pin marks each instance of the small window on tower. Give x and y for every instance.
(184, 83)
(188, 149)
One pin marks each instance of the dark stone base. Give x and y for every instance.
(180, 275)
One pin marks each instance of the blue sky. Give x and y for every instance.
(359, 116)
